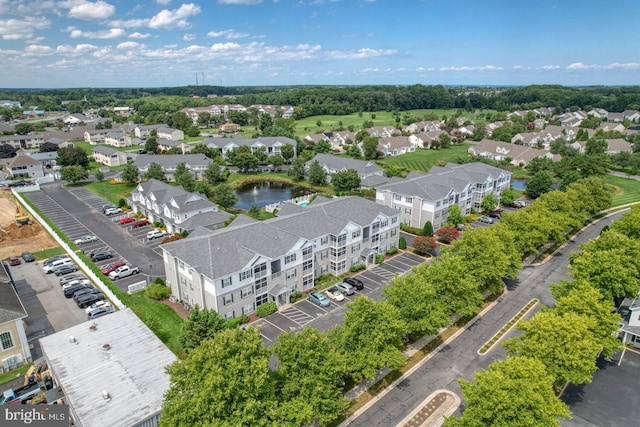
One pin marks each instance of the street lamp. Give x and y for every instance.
(151, 274)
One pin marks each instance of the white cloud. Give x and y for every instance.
(16, 29)
(612, 66)
(87, 10)
(138, 35)
(111, 33)
(130, 23)
(227, 34)
(188, 37)
(361, 53)
(176, 18)
(128, 45)
(577, 66)
(78, 49)
(550, 67)
(474, 68)
(35, 49)
(163, 2)
(240, 2)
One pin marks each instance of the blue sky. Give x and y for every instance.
(152, 43)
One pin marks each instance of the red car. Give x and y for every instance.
(127, 220)
(111, 267)
(140, 223)
(13, 260)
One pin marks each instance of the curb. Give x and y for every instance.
(440, 420)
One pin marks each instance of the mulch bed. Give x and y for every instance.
(177, 307)
(427, 410)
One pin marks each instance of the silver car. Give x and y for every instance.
(345, 288)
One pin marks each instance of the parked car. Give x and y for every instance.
(28, 256)
(69, 291)
(345, 288)
(112, 267)
(65, 269)
(13, 260)
(112, 211)
(319, 299)
(49, 268)
(105, 207)
(54, 258)
(70, 277)
(140, 223)
(156, 234)
(85, 239)
(334, 294)
(485, 220)
(99, 312)
(127, 220)
(518, 204)
(97, 304)
(86, 300)
(355, 282)
(142, 151)
(100, 256)
(84, 282)
(493, 215)
(85, 291)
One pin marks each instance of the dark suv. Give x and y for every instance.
(355, 282)
(65, 269)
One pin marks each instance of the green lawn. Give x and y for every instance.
(627, 190)
(423, 159)
(111, 192)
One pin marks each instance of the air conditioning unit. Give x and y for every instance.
(12, 362)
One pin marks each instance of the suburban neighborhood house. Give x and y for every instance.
(197, 163)
(108, 156)
(111, 370)
(519, 155)
(272, 145)
(332, 164)
(629, 331)
(427, 197)
(235, 269)
(14, 347)
(23, 166)
(176, 208)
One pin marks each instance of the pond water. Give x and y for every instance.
(519, 184)
(265, 193)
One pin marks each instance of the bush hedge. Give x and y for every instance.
(392, 251)
(379, 259)
(266, 309)
(357, 267)
(158, 291)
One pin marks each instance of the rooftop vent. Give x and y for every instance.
(106, 396)
(73, 340)
(93, 327)
(106, 346)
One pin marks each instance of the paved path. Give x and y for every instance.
(459, 358)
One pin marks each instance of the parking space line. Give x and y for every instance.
(273, 324)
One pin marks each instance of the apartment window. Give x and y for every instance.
(291, 273)
(398, 208)
(307, 282)
(307, 265)
(248, 309)
(397, 197)
(394, 220)
(227, 299)
(259, 269)
(226, 282)
(307, 251)
(409, 199)
(260, 284)
(407, 210)
(355, 234)
(394, 232)
(230, 315)
(437, 214)
(289, 258)
(340, 240)
(261, 299)
(244, 275)
(338, 252)
(355, 261)
(355, 248)
(324, 240)
(324, 254)
(245, 292)
(6, 341)
(384, 223)
(324, 269)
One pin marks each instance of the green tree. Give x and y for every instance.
(23, 128)
(354, 152)
(287, 151)
(508, 196)
(322, 146)
(596, 145)
(445, 140)
(489, 203)
(73, 156)
(99, 176)
(154, 171)
(130, 173)
(201, 324)
(513, 392)
(569, 178)
(424, 245)
(346, 180)
(74, 174)
(246, 162)
(151, 145)
(563, 342)
(317, 175)
(275, 161)
(213, 173)
(224, 195)
(202, 187)
(538, 185)
(309, 374)
(370, 147)
(225, 381)
(185, 180)
(372, 337)
(457, 291)
(261, 155)
(454, 215)
(427, 229)
(297, 170)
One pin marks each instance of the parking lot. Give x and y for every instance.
(305, 313)
(77, 212)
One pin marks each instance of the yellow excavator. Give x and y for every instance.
(21, 217)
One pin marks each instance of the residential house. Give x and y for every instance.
(197, 163)
(24, 166)
(614, 146)
(491, 127)
(274, 110)
(14, 346)
(117, 138)
(272, 145)
(332, 164)
(236, 269)
(612, 127)
(395, 146)
(615, 117)
(112, 371)
(5, 103)
(631, 115)
(168, 144)
(229, 128)
(530, 139)
(96, 136)
(518, 155)
(33, 113)
(61, 143)
(426, 139)
(424, 126)
(427, 197)
(177, 209)
(109, 156)
(543, 111)
(143, 131)
(76, 119)
(47, 158)
(26, 142)
(629, 330)
(122, 111)
(170, 134)
(384, 131)
(600, 113)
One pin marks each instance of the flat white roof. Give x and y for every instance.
(131, 371)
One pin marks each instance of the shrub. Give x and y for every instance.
(411, 230)
(402, 243)
(185, 233)
(122, 202)
(172, 238)
(357, 267)
(392, 251)
(447, 234)
(427, 230)
(379, 258)
(424, 244)
(158, 224)
(157, 291)
(159, 281)
(295, 296)
(266, 309)
(234, 323)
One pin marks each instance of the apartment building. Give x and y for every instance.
(427, 197)
(236, 269)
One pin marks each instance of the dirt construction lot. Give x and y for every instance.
(16, 238)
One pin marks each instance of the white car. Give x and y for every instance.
(153, 234)
(334, 294)
(97, 304)
(112, 211)
(85, 239)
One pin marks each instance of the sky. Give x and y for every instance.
(166, 43)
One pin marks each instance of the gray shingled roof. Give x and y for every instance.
(10, 305)
(205, 219)
(364, 167)
(103, 150)
(170, 161)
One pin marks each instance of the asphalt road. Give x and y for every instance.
(460, 359)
